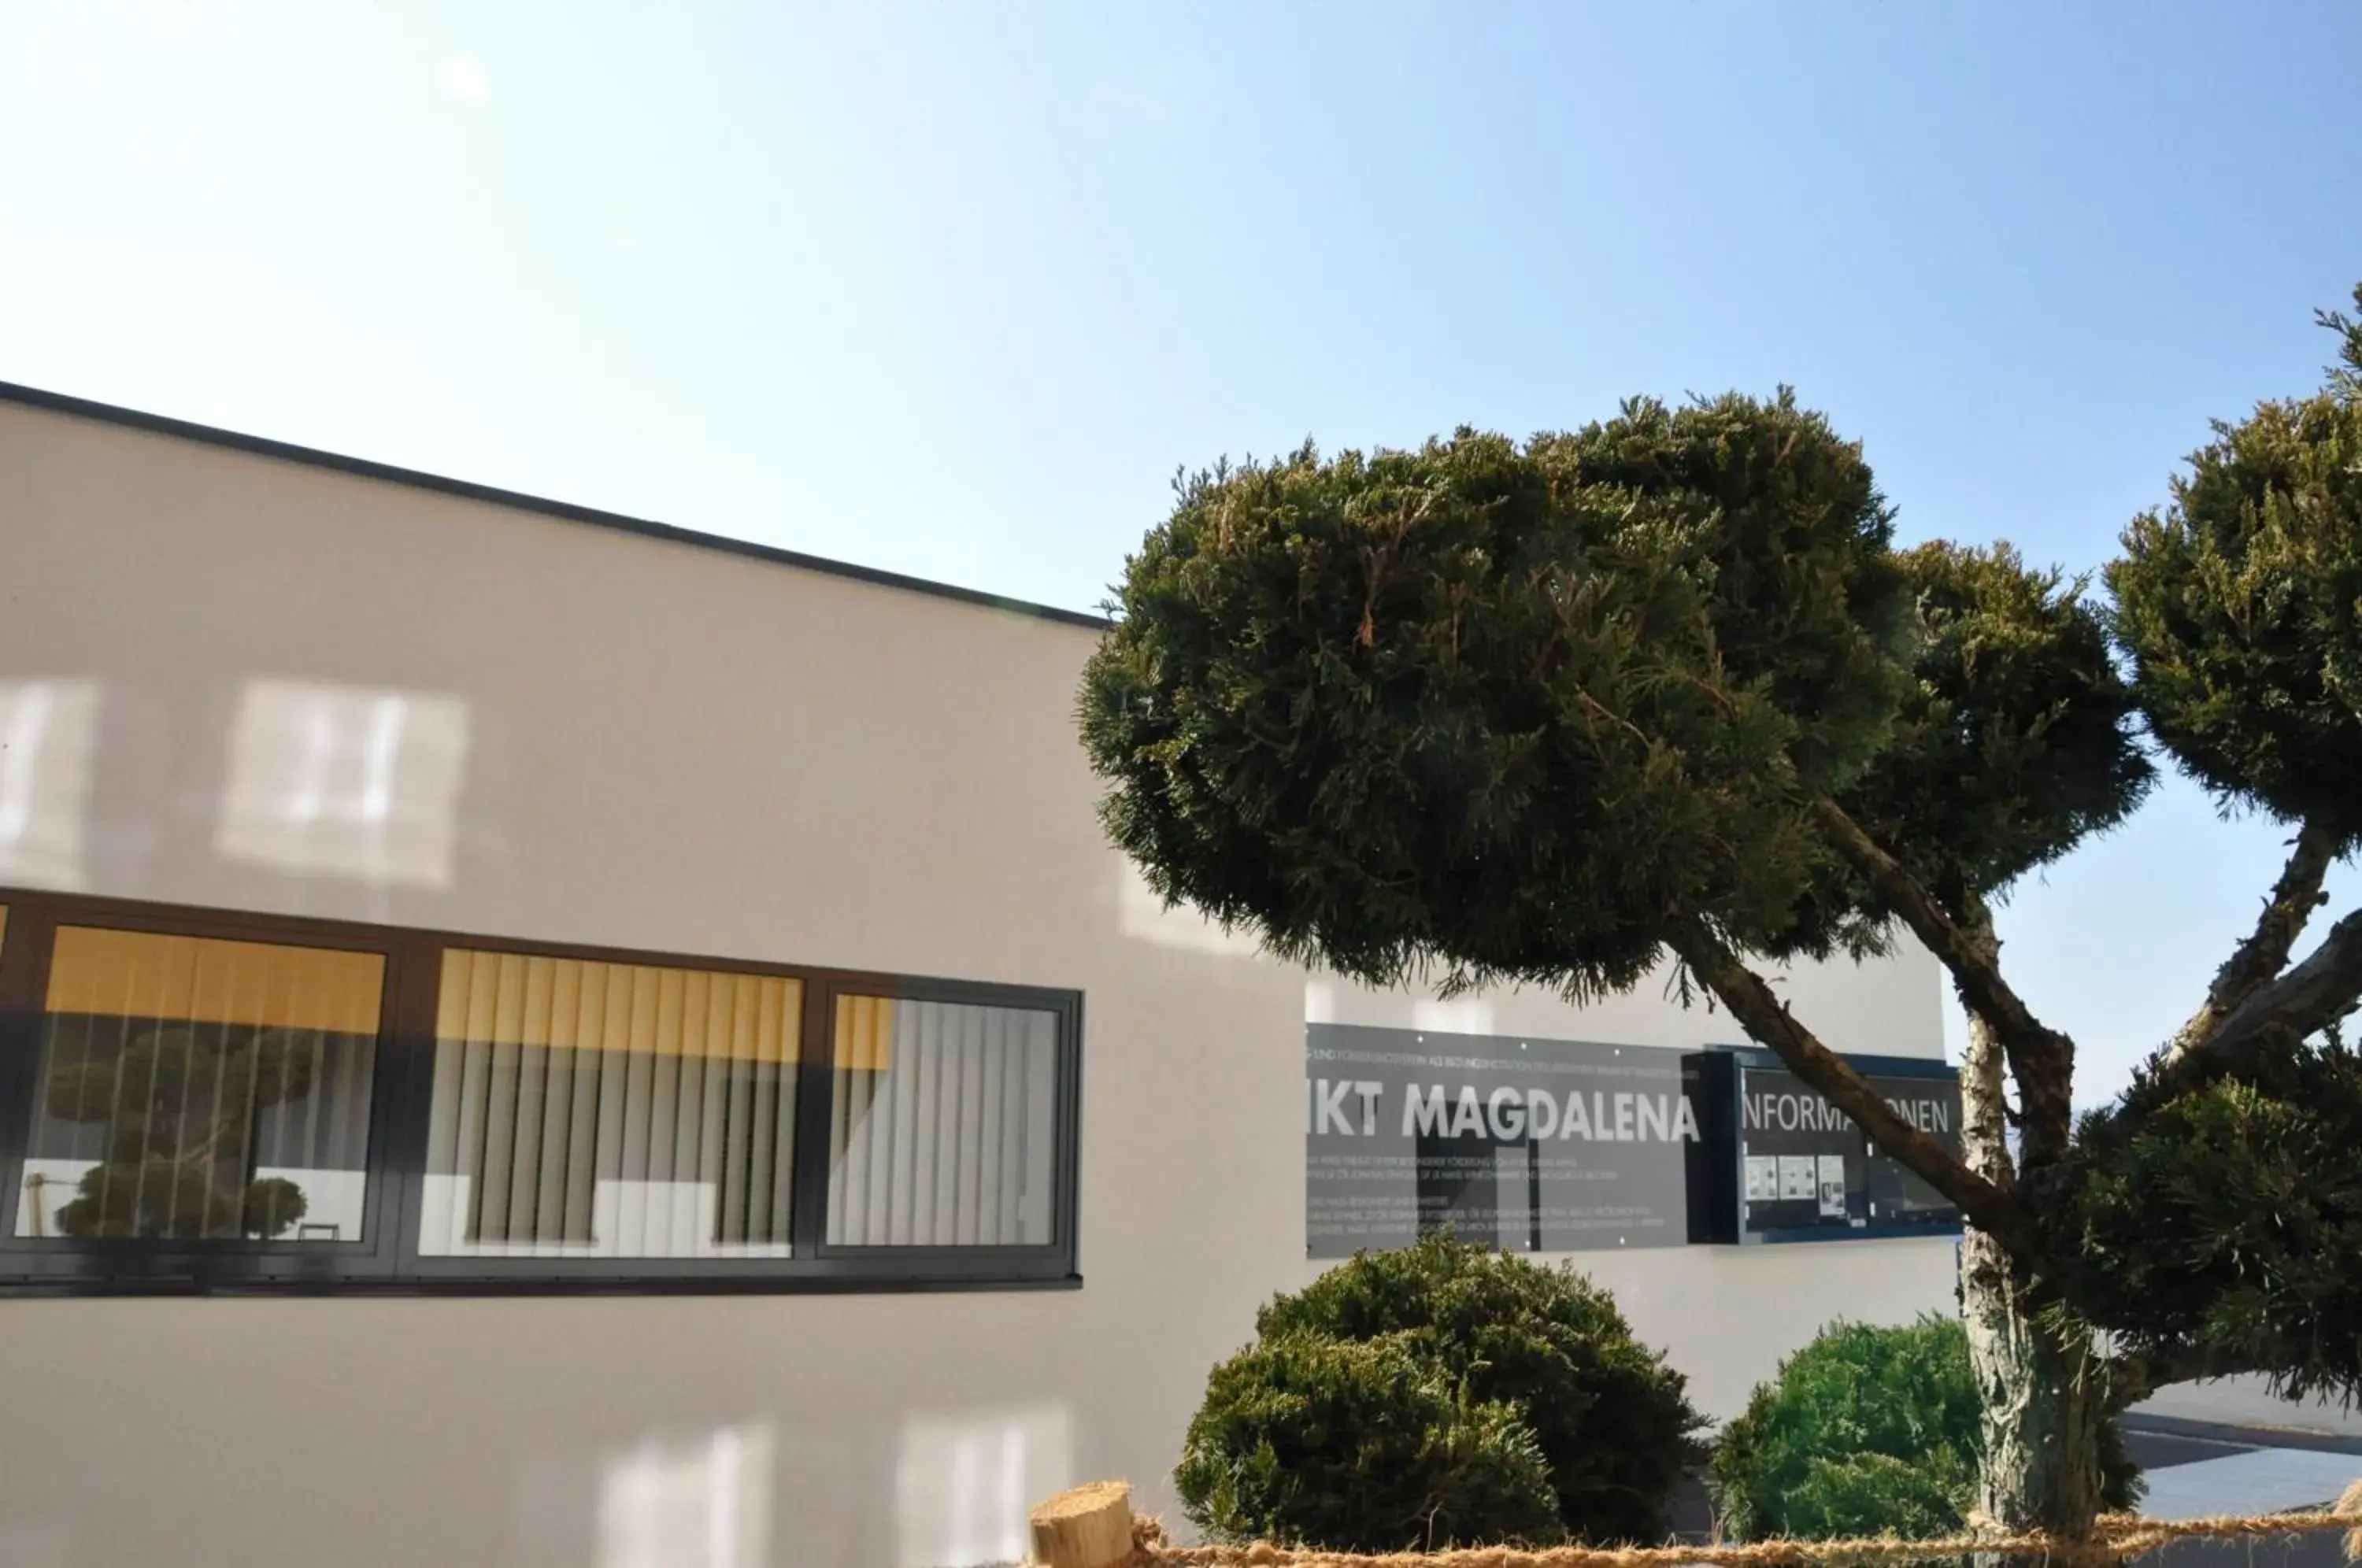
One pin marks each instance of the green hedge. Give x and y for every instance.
(1865, 1431)
(1436, 1395)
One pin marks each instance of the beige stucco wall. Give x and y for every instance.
(603, 738)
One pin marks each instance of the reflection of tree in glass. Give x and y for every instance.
(180, 1106)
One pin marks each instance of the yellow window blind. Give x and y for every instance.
(204, 979)
(593, 1109)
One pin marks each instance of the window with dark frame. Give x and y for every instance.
(202, 1099)
(195, 1089)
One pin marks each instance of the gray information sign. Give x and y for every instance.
(1523, 1143)
(1804, 1166)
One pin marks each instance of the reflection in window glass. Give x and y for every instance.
(941, 1125)
(595, 1109)
(202, 1090)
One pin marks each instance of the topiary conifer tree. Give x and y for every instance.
(178, 1105)
(1662, 692)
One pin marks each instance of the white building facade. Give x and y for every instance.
(532, 1039)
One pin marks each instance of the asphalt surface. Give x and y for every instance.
(2196, 1468)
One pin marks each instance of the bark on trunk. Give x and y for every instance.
(2043, 1411)
(2041, 1394)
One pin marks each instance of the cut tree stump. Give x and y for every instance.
(1090, 1527)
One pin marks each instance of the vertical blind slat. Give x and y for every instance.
(500, 1099)
(614, 1029)
(762, 1098)
(735, 1131)
(783, 1014)
(582, 1114)
(971, 1059)
(546, 1175)
(476, 1069)
(702, 1160)
(915, 1130)
(639, 1095)
(1009, 1131)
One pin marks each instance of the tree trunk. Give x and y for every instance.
(2042, 1394)
(2042, 1410)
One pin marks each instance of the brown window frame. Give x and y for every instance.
(386, 1260)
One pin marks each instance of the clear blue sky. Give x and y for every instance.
(953, 288)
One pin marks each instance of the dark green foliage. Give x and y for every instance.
(2347, 374)
(1802, 594)
(178, 1104)
(1607, 1421)
(2213, 1215)
(2227, 1218)
(2241, 607)
(2018, 738)
(1518, 708)
(1865, 1431)
(1363, 1446)
(1507, 706)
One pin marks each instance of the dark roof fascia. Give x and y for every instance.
(287, 452)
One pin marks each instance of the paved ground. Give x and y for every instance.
(2196, 1467)
(2245, 1402)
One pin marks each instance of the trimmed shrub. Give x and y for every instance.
(1413, 1398)
(1360, 1447)
(1868, 1431)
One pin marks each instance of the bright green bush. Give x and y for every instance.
(1865, 1431)
(1440, 1393)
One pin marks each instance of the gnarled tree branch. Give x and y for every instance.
(2041, 1059)
(1768, 1021)
(2265, 952)
(2133, 1376)
(2309, 998)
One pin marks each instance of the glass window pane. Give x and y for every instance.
(195, 1089)
(610, 1110)
(941, 1127)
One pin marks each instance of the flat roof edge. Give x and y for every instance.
(363, 468)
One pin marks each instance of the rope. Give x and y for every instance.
(2113, 1538)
